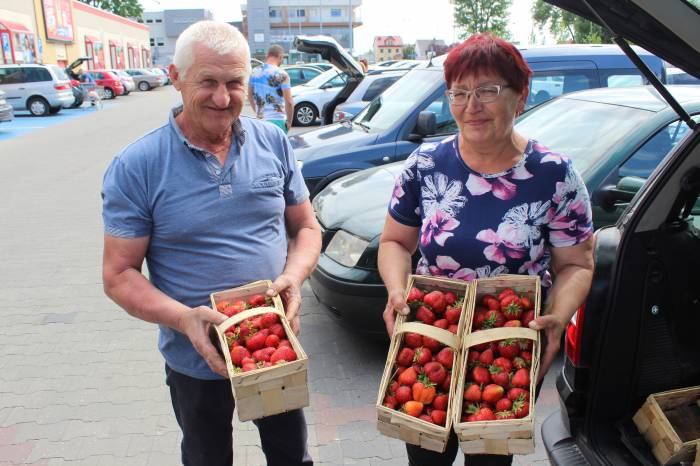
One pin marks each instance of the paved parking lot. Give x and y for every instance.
(81, 382)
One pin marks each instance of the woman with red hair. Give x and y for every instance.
(489, 201)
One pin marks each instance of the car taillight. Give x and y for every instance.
(337, 116)
(574, 331)
(61, 87)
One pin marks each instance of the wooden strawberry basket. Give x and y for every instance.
(270, 390)
(501, 436)
(670, 423)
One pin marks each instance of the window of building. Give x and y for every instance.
(160, 41)
(149, 20)
(159, 21)
(301, 13)
(273, 13)
(336, 12)
(140, 20)
(153, 42)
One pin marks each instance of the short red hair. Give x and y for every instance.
(485, 53)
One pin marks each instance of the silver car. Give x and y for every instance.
(126, 79)
(146, 80)
(41, 89)
(6, 112)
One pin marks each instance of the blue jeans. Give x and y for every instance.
(204, 411)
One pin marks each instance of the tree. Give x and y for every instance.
(409, 51)
(126, 8)
(567, 26)
(481, 16)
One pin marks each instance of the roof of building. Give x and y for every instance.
(388, 41)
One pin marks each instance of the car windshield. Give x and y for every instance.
(59, 72)
(582, 130)
(322, 78)
(391, 106)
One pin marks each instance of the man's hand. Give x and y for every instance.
(396, 304)
(290, 291)
(195, 323)
(553, 328)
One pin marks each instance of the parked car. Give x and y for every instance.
(40, 89)
(373, 84)
(163, 72)
(405, 64)
(300, 74)
(127, 81)
(6, 113)
(676, 75)
(111, 84)
(310, 97)
(320, 66)
(146, 80)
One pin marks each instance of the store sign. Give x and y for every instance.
(58, 18)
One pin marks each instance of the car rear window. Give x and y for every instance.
(59, 73)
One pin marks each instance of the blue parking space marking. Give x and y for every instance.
(24, 123)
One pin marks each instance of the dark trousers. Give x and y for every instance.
(204, 411)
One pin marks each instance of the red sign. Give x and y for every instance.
(58, 18)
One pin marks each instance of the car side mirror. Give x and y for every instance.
(426, 125)
(608, 197)
(326, 86)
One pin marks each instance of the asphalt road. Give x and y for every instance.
(81, 382)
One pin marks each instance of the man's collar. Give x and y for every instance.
(239, 133)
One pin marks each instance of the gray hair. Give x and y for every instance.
(222, 38)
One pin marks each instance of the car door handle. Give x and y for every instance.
(386, 158)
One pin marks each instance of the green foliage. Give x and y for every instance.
(482, 15)
(126, 8)
(568, 27)
(409, 51)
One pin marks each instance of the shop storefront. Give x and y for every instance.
(18, 43)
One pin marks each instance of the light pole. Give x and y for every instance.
(350, 22)
(320, 15)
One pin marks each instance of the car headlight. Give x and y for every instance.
(346, 249)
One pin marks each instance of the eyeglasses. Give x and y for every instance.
(483, 94)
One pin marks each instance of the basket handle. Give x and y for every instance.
(501, 333)
(443, 336)
(240, 317)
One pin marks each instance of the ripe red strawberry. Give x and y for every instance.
(432, 344)
(525, 344)
(527, 356)
(272, 341)
(485, 414)
(413, 408)
(480, 375)
(439, 416)
(413, 340)
(249, 366)
(285, 342)
(452, 314)
(435, 300)
(423, 392)
(441, 323)
(513, 323)
(393, 386)
(486, 357)
(425, 315)
(450, 298)
(414, 295)
(408, 377)
(405, 357)
(504, 404)
(445, 357)
(508, 348)
(526, 303)
(486, 297)
(503, 363)
(403, 394)
(521, 408)
(435, 372)
(527, 317)
(278, 329)
(247, 360)
(453, 328)
(521, 378)
(493, 319)
(479, 317)
(422, 356)
(256, 322)
(221, 305)
(520, 363)
(491, 303)
(426, 418)
(390, 402)
(492, 393)
(269, 319)
(445, 385)
(256, 300)
(511, 307)
(263, 354)
(440, 401)
(472, 393)
(473, 356)
(501, 415)
(256, 342)
(237, 355)
(283, 353)
(499, 376)
(506, 292)
(515, 393)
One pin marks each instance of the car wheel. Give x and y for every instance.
(38, 106)
(304, 114)
(108, 93)
(144, 86)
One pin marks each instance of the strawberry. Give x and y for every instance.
(505, 414)
(446, 357)
(450, 298)
(520, 363)
(521, 408)
(413, 340)
(441, 323)
(390, 402)
(491, 303)
(486, 357)
(422, 355)
(511, 307)
(508, 348)
(453, 328)
(493, 319)
(256, 300)
(492, 393)
(413, 408)
(237, 355)
(473, 356)
(479, 318)
(285, 342)
(256, 322)
(269, 319)
(278, 329)
(435, 300)
(472, 393)
(445, 385)
(249, 366)
(440, 402)
(426, 418)
(272, 341)
(526, 303)
(283, 353)
(506, 292)
(485, 414)
(439, 416)
(452, 314)
(405, 357)
(504, 404)
(515, 393)
(403, 394)
(221, 305)
(480, 375)
(527, 356)
(432, 344)
(504, 364)
(435, 371)
(414, 295)
(521, 378)
(525, 344)
(408, 377)
(423, 391)
(247, 360)
(527, 317)
(393, 386)
(513, 323)
(499, 376)
(425, 315)
(256, 342)
(263, 354)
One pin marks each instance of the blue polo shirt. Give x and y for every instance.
(210, 227)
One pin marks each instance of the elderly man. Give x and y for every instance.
(210, 200)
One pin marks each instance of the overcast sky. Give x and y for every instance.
(410, 19)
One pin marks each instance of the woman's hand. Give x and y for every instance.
(396, 304)
(553, 328)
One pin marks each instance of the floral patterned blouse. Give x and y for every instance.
(474, 225)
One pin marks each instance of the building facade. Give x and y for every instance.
(166, 26)
(388, 48)
(425, 46)
(267, 22)
(60, 31)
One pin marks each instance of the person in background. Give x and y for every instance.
(210, 200)
(364, 65)
(489, 201)
(269, 92)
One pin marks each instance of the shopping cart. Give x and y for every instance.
(93, 94)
